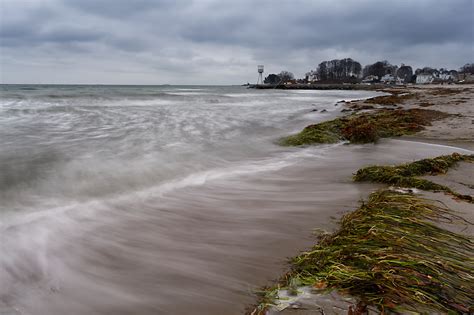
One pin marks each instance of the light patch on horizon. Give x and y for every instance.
(221, 42)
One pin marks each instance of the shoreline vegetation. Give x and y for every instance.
(406, 175)
(375, 118)
(395, 253)
(365, 127)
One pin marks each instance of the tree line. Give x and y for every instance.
(351, 71)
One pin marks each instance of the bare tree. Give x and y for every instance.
(467, 68)
(339, 70)
(286, 76)
(426, 70)
(405, 73)
(379, 69)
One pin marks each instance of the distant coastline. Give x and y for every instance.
(312, 86)
(348, 71)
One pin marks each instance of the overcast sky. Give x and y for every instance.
(221, 42)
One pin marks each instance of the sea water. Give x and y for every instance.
(165, 199)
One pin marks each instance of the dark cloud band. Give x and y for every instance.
(198, 37)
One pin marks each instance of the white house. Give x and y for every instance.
(312, 76)
(388, 79)
(436, 77)
(370, 79)
(424, 78)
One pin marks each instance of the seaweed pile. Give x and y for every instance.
(365, 127)
(406, 175)
(395, 98)
(391, 252)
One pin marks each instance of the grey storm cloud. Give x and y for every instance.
(211, 41)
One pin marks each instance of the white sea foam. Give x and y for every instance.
(194, 179)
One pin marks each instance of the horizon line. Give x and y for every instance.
(95, 84)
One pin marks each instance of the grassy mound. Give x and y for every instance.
(365, 127)
(405, 175)
(390, 254)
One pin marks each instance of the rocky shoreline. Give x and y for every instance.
(329, 275)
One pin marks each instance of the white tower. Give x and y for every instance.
(260, 74)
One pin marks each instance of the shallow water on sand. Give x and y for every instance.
(165, 200)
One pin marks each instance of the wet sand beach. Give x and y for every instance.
(202, 247)
(456, 130)
(199, 250)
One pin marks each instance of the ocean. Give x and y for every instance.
(165, 199)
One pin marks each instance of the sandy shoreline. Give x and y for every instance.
(456, 130)
(199, 249)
